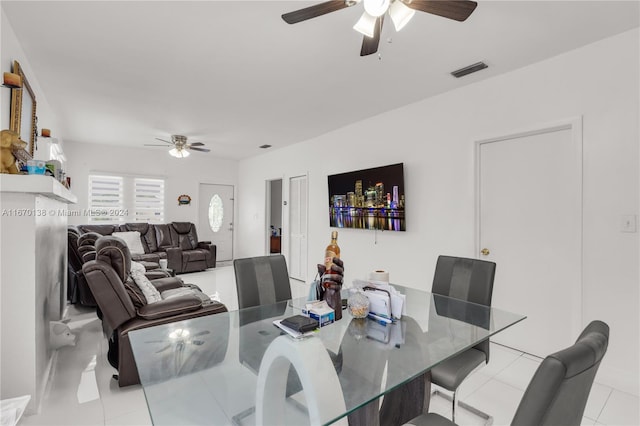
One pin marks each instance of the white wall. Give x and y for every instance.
(11, 50)
(31, 286)
(435, 138)
(183, 175)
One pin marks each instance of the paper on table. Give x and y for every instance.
(398, 305)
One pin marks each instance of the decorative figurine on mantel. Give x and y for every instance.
(10, 142)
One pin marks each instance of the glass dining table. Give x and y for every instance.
(238, 368)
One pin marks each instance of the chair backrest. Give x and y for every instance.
(465, 279)
(100, 229)
(147, 235)
(261, 280)
(87, 245)
(73, 257)
(183, 235)
(558, 391)
(106, 277)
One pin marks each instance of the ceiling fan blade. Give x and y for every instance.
(196, 144)
(370, 44)
(164, 349)
(200, 149)
(149, 144)
(164, 141)
(314, 11)
(458, 10)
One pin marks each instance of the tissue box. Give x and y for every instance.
(320, 312)
(35, 167)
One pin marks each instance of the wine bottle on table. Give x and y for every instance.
(332, 250)
(332, 295)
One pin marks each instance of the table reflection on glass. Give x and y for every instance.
(238, 368)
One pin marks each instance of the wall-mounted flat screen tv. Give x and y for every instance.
(368, 199)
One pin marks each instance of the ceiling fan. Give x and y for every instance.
(400, 11)
(180, 146)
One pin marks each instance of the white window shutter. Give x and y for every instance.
(148, 200)
(105, 198)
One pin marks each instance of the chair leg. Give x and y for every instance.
(453, 406)
(488, 419)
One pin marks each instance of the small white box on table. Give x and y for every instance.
(319, 311)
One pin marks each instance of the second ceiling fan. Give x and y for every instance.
(180, 146)
(400, 11)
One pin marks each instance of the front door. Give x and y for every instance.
(215, 215)
(530, 225)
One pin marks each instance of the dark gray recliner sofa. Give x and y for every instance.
(124, 307)
(176, 241)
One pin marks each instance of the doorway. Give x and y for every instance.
(215, 218)
(274, 216)
(529, 189)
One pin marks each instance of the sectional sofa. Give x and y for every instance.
(176, 241)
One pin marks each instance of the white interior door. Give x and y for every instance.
(530, 221)
(297, 261)
(215, 218)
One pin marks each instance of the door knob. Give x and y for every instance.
(485, 252)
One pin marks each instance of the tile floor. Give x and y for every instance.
(82, 392)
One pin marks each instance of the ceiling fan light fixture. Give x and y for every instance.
(366, 25)
(400, 14)
(376, 8)
(178, 153)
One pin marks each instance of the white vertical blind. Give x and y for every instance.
(121, 199)
(148, 200)
(105, 197)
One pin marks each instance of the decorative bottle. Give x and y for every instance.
(332, 295)
(332, 250)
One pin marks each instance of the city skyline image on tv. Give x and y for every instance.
(368, 199)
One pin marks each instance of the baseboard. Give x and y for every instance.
(618, 379)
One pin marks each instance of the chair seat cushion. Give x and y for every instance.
(195, 255)
(452, 372)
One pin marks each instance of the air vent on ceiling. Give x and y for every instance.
(264, 146)
(470, 69)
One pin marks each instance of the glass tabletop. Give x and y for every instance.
(239, 368)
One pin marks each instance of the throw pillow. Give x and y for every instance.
(132, 238)
(150, 292)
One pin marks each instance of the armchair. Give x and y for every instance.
(87, 246)
(124, 307)
(74, 264)
(77, 288)
(185, 253)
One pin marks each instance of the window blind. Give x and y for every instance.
(148, 200)
(105, 198)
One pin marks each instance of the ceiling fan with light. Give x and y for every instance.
(400, 11)
(180, 146)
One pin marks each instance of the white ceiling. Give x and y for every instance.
(234, 75)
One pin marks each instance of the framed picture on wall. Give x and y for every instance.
(23, 111)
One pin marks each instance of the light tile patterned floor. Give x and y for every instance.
(83, 393)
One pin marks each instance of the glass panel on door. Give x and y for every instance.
(216, 213)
